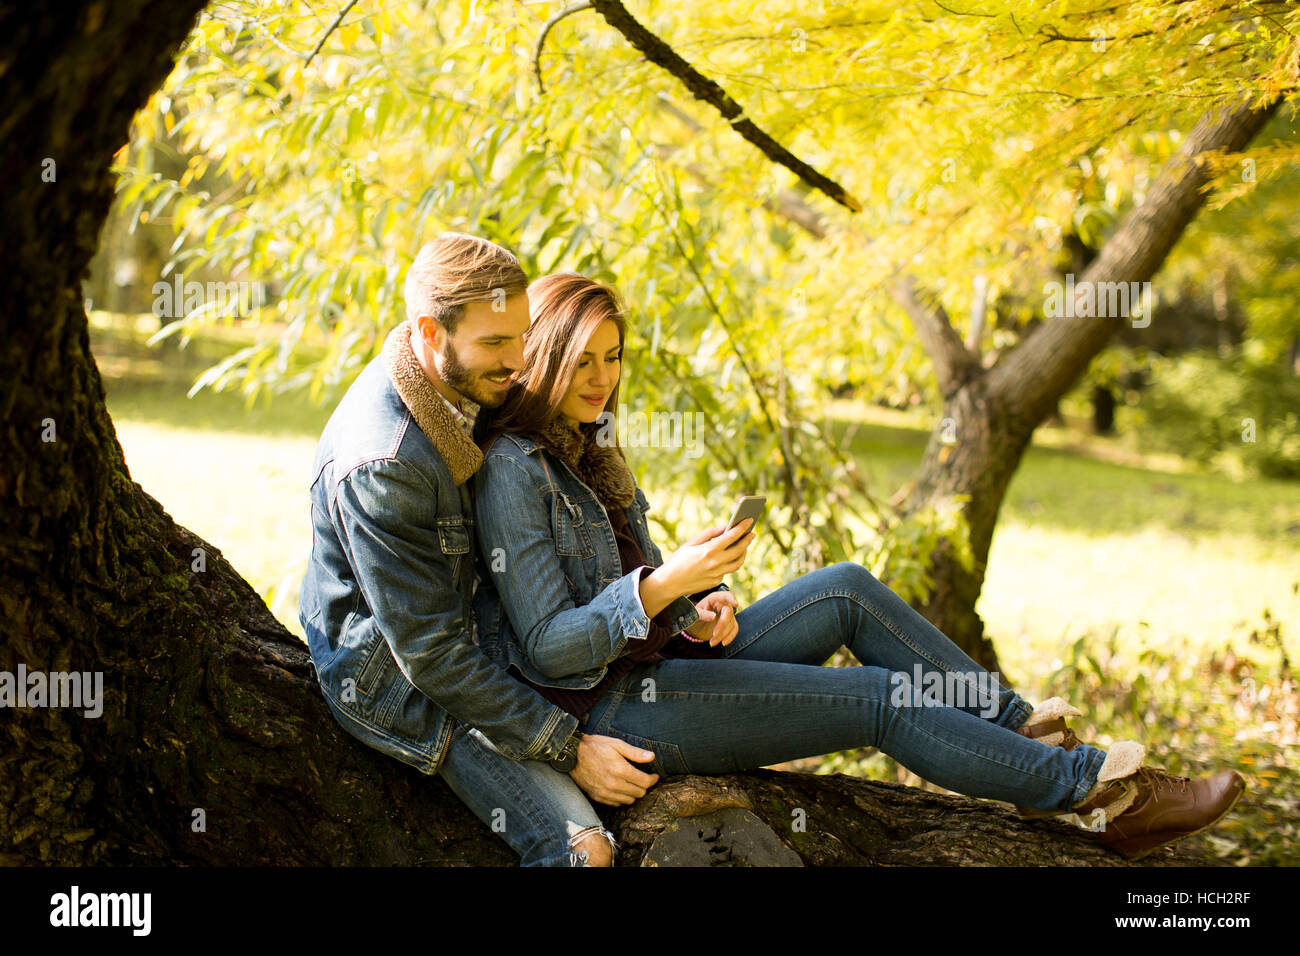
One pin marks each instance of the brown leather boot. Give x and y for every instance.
(1156, 808)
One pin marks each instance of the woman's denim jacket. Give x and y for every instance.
(550, 552)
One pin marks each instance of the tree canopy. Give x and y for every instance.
(978, 141)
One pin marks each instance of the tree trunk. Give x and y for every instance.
(214, 744)
(975, 451)
(993, 413)
(1103, 410)
(843, 821)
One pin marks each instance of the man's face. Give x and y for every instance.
(485, 352)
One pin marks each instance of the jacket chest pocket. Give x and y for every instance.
(572, 531)
(453, 536)
(454, 542)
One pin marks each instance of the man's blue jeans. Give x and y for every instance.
(915, 696)
(539, 811)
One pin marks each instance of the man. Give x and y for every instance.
(387, 600)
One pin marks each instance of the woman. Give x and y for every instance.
(657, 653)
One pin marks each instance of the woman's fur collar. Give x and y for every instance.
(601, 467)
(458, 451)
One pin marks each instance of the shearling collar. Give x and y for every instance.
(461, 455)
(601, 467)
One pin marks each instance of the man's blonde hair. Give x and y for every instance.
(454, 269)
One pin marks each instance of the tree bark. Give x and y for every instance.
(975, 451)
(843, 821)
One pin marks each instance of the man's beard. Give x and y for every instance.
(464, 381)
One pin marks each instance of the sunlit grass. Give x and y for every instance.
(1086, 546)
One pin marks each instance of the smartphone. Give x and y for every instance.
(749, 506)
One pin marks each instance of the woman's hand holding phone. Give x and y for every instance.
(707, 558)
(698, 565)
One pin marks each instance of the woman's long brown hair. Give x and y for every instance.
(565, 309)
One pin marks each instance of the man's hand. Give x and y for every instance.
(605, 774)
(717, 623)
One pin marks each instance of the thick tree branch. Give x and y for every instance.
(1044, 366)
(954, 364)
(852, 822)
(702, 88)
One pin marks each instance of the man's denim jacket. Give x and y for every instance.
(550, 550)
(387, 598)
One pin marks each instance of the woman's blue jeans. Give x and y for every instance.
(915, 696)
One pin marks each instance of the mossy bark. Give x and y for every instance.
(208, 703)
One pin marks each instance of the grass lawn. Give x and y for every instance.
(1093, 536)
(1132, 583)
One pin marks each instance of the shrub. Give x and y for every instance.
(1227, 412)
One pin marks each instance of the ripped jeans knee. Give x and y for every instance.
(597, 855)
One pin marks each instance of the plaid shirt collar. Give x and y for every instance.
(465, 419)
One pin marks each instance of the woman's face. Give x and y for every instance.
(596, 376)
